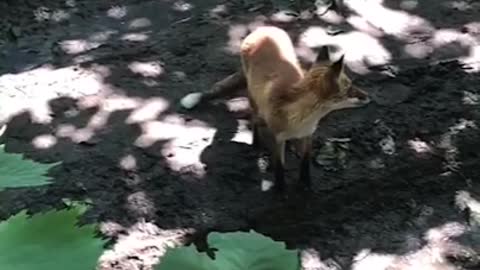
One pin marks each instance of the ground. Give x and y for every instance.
(96, 85)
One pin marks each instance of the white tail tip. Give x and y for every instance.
(191, 100)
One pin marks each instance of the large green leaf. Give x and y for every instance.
(49, 241)
(18, 172)
(252, 251)
(235, 251)
(186, 258)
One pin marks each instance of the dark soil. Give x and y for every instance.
(384, 196)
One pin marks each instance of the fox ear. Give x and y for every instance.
(337, 67)
(323, 55)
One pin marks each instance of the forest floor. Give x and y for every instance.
(96, 85)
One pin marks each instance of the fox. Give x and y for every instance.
(286, 100)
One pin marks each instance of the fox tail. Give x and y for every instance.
(223, 88)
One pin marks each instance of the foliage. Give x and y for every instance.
(49, 241)
(234, 251)
(18, 172)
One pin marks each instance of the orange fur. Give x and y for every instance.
(287, 100)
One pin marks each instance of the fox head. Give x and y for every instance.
(333, 84)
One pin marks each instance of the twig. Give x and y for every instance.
(181, 21)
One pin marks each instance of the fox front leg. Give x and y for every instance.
(279, 165)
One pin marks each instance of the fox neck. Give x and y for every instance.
(303, 116)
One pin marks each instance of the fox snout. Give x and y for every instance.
(361, 96)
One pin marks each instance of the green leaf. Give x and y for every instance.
(252, 251)
(49, 241)
(235, 251)
(18, 172)
(186, 258)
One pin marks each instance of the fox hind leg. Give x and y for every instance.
(306, 153)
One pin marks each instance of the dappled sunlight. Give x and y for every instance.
(146, 69)
(236, 33)
(128, 163)
(218, 11)
(182, 6)
(117, 12)
(101, 36)
(105, 105)
(185, 141)
(361, 24)
(419, 146)
(473, 60)
(136, 37)
(332, 17)
(237, 104)
(148, 110)
(392, 22)
(432, 256)
(470, 98)
(139, 23)
(353, 44)
(77, 46)
(243, 134)
(32, 90)
(116, 124)
(143, 238)
(45, 14)
(464, 200)
(44, 141)
(460, 5)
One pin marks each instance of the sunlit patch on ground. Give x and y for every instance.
(470, 98)
(146, 69)
(243, 134)
(352, 44)
(45, 14)
(184, 141)
(117, 12)
(135, 37)
(181, 5)
(44, 141)
(139, 23)
(33, 89)
(432, 256)
(393, 22)
(128, 163)
(236, 34)
(77, 46)
(148, 110)
(145, 239)
(419, 146)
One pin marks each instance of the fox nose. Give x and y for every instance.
(365, 99)
(362, 96)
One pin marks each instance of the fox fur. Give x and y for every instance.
(287, 102)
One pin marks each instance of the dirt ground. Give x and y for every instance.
(96, 85)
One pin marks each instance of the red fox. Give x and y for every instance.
(286, 101)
